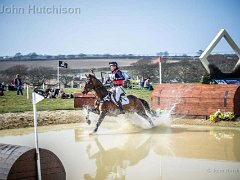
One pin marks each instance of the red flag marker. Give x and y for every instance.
(159, 59)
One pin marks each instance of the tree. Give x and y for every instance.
(144, 68)
(11, 72)
(66, 76)
(222, 62)
(165, 53)
(32, 55)
(17, 56)
(160, 54)
(40, 75)
(5, 78)
(206, 79)
(199, 52)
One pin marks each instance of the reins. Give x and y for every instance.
(98, 87)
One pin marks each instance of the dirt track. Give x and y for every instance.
(25, 119)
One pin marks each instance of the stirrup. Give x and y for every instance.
(120, 106)
(122, 112)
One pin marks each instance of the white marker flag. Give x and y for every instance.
(36, 98)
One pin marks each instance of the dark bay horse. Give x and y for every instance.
(104, 108)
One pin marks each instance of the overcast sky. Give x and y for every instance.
(116, 27)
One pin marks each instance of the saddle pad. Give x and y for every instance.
(125, 100)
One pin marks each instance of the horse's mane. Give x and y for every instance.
(94, 77)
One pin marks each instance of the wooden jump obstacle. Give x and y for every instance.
(18, 162)
(197, 99)
(81, 100)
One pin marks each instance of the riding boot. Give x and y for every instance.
(120, 107)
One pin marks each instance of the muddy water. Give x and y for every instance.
(129, 152)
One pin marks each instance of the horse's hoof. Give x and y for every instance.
(152, 124)
(89, 122)
(92, 133)
(122, 112)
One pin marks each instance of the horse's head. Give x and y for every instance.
(91, 84)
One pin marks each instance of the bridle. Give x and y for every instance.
(90, 85)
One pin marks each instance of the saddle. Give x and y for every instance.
(111, 97)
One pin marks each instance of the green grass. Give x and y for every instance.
(144, 94)
(11, 102)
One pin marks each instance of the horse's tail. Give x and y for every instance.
(147, 107)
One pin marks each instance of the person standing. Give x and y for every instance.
(2, 88)
(18, 84)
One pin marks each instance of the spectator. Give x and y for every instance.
(147, 84)
(38, 91)
(142, 83)
(48, 93)
(63, 95)
(2, 88)
(18, 84)
(56, 93)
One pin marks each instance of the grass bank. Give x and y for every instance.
(11, 102)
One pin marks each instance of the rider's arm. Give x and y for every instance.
(119, 76)
(108, 79)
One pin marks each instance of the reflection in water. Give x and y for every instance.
(130, 152)
(222, 134)
(111, 163)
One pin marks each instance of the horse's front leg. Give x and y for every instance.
(87, 120)
(95, 110)
(101, 117)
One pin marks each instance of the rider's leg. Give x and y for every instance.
(118, 94)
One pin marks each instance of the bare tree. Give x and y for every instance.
(199, 52)
(11, 72)
(144, 68)
(40, 75)
(165, 53)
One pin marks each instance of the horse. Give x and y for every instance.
(109, 108)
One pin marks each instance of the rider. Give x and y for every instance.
(117, 79)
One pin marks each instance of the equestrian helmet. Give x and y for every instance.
(113, 64)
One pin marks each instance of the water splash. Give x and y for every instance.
(133, 122)
(130, 123)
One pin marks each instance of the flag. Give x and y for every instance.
(159, 59)
(36, 98)
(62, 64)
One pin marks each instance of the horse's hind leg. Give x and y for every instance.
(145, 116)
(101, 117)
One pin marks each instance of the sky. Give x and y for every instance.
(141, 27)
